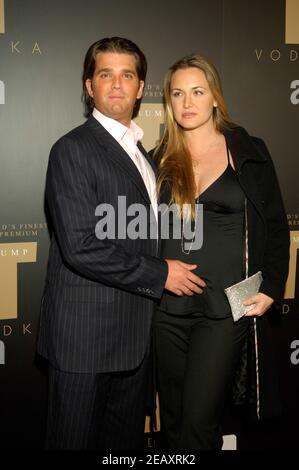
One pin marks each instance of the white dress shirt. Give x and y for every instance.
(128, 137)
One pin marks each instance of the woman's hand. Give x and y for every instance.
(260, 304)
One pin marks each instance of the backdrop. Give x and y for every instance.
(255, 46)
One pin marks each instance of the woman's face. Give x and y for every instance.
(191, 99)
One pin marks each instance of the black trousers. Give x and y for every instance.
(196, 361)
(97, 411)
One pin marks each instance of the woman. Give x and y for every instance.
(204, 158)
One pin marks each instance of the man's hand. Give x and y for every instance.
(262, 303)
(181, 280)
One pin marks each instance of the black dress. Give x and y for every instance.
(220, 259)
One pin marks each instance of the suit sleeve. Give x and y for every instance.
(276, 255)
(71, 199)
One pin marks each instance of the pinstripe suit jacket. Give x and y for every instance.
(98, 300)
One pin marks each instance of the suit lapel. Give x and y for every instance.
(149, 159)
(243, 150)
(118, 154)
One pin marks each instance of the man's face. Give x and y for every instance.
(115, 86)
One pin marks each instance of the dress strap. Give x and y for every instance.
(227, 152)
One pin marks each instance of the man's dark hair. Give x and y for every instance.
(116, 45)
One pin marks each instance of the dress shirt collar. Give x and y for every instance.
(116, 129)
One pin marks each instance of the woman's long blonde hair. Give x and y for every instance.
(174, 159)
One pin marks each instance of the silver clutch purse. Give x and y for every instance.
(239, 292)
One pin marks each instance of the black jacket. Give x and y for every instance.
(268, 250)
(268, 232)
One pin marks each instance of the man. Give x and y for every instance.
(97, 306)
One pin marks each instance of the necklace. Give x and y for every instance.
(195, 165)
(197, 173)
(187, 252)
(202, 155)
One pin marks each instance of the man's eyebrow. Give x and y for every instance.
(107, 69)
